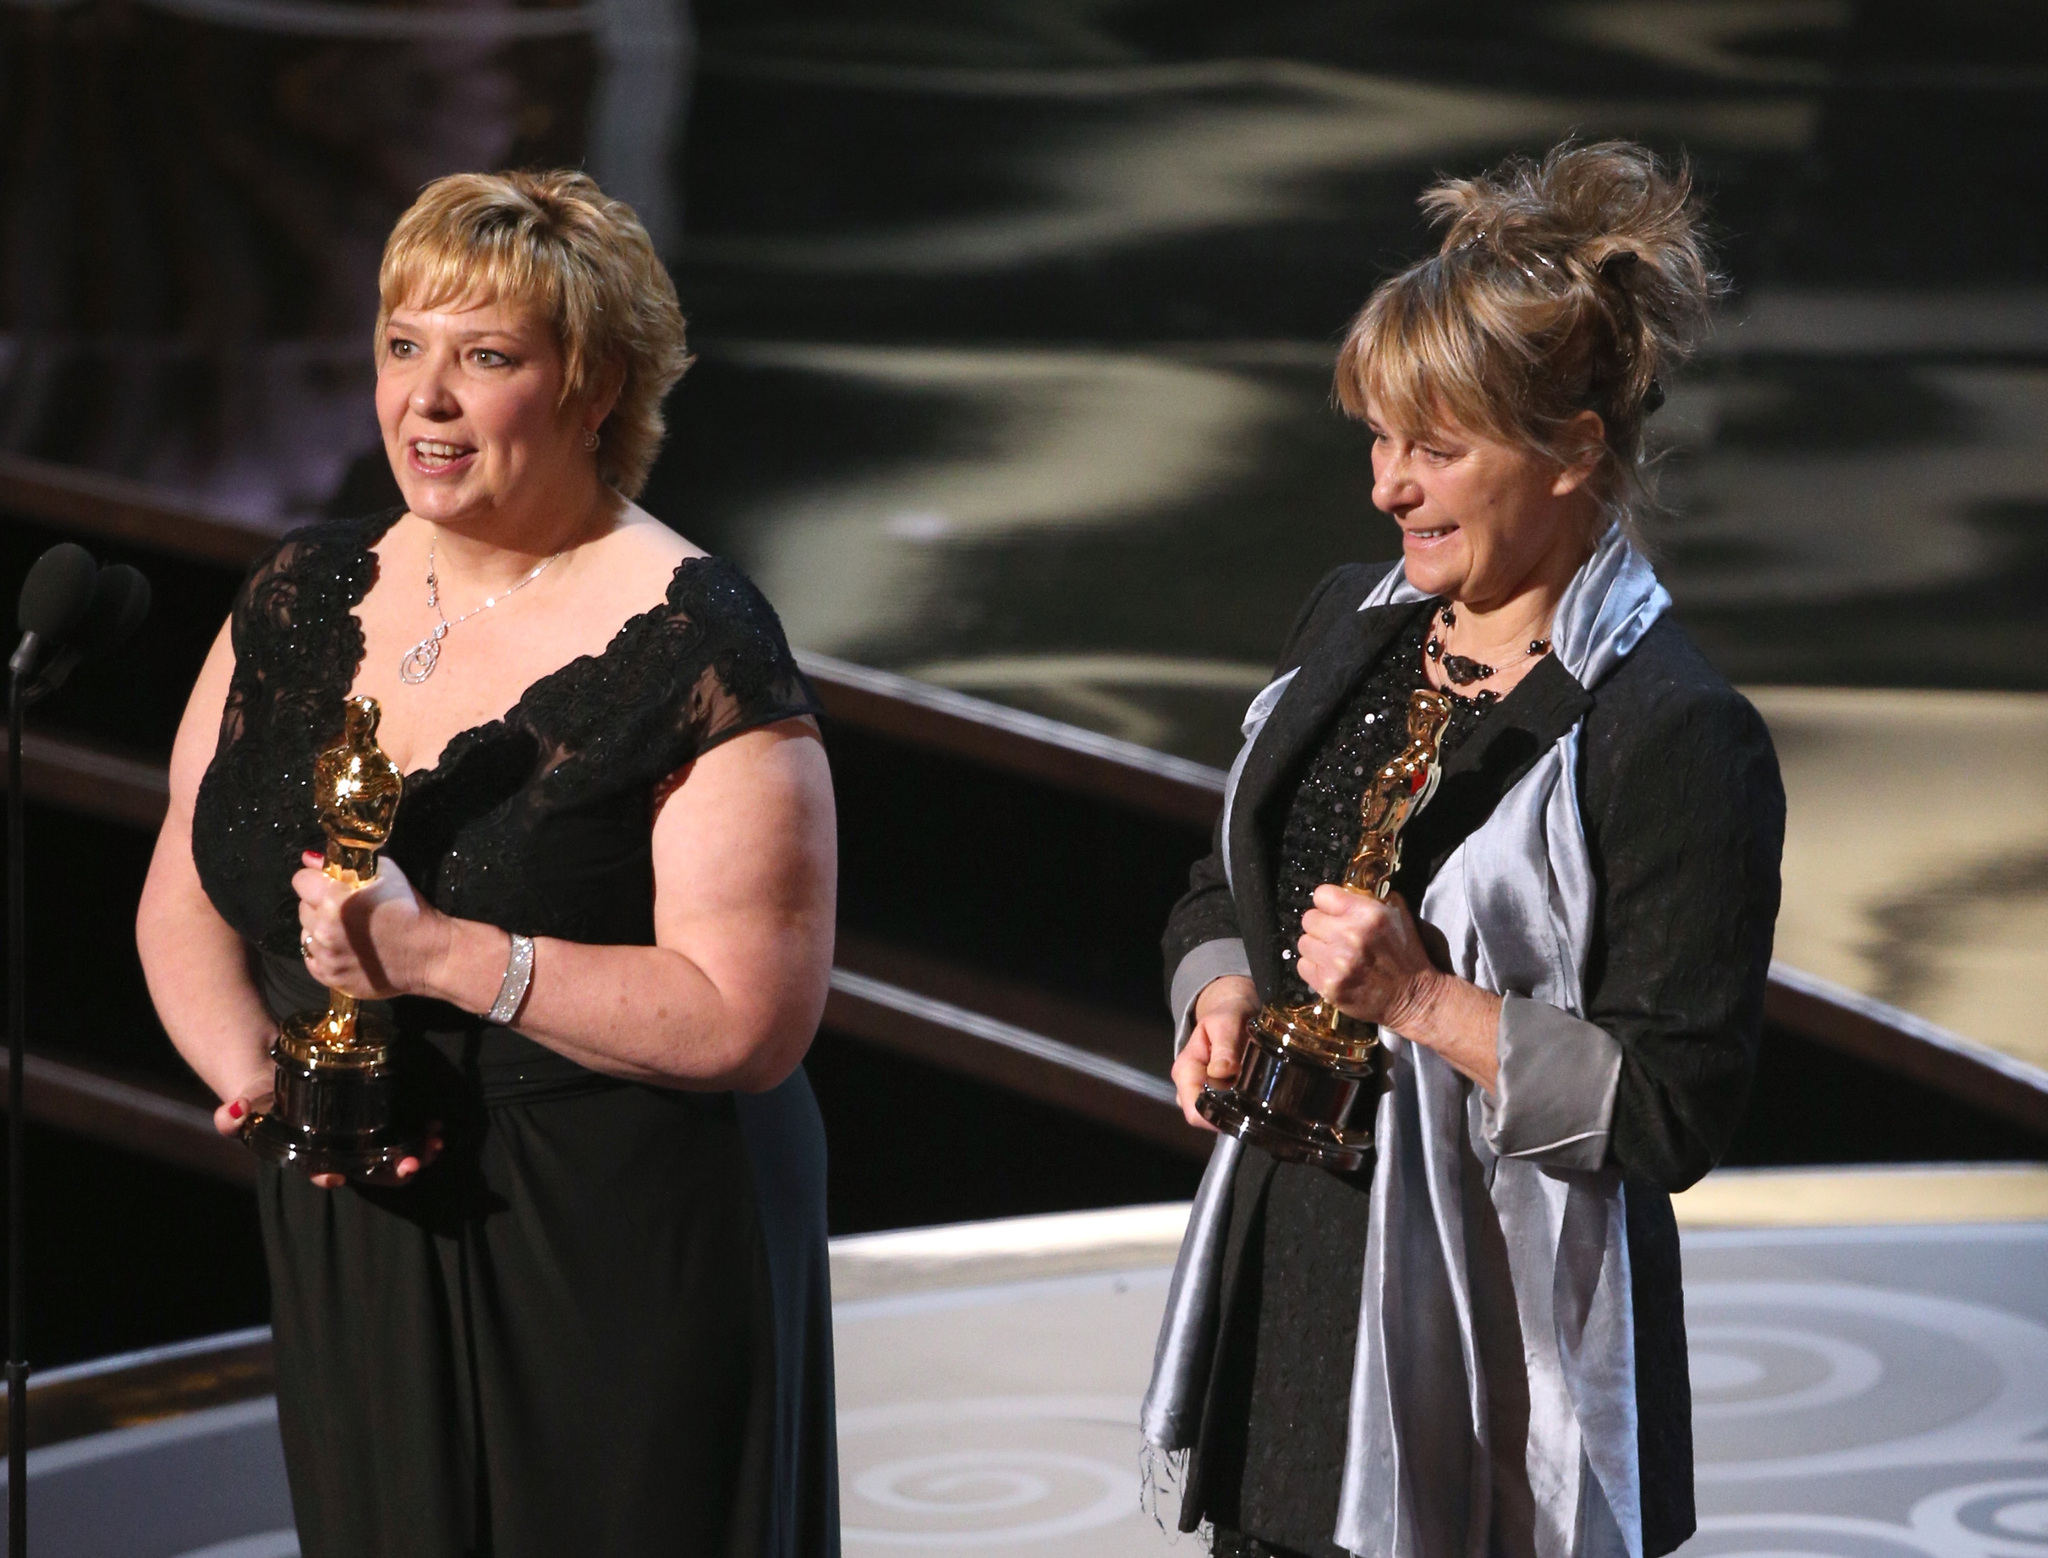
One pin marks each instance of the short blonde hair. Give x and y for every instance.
(558, 241)
(1566, 285)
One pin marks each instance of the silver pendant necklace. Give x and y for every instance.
(419, 661)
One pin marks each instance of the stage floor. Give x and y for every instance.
(1863, 1388)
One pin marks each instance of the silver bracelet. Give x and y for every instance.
(518, 975)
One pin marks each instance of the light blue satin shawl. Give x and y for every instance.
(1472, 1257)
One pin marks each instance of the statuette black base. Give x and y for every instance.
(290, 1146)
(1301, 1108)
(330, 1114)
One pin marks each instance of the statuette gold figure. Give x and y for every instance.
(1311, 1075)
(333, 1108)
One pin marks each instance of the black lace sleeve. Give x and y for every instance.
(732, 667)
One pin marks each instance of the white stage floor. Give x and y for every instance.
(1861, 1390)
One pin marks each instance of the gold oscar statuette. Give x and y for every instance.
(1311, 1076)
(333, 1109)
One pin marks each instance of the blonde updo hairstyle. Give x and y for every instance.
(558, 242)
(1571, 284)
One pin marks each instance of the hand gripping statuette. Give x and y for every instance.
(1311, 1076)
(333, 1111)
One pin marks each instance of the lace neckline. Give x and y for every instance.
(356, 582)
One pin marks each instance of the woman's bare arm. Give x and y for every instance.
(196, 964)
(746, 887)
(746, 883)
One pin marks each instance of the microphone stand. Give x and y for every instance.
(101, 608)
(17, 1033)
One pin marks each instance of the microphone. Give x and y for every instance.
(56, 598)
(73, 610)
(120, 600)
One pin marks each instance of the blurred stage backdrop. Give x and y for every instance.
(1015, 320)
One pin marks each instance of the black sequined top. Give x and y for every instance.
(1322, 826)
(539, 821)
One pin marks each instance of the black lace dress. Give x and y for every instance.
(599, 1324)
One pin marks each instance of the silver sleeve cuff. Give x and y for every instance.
(1558, 1075)
(1210, 961)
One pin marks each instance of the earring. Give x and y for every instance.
(590, 438)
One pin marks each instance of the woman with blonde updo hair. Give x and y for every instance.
(590, 1315)
(1475, 1342)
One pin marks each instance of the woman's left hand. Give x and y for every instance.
(1368, 957)
(375, 941)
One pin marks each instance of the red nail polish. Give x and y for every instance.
(235, 1110)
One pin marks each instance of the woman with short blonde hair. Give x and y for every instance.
(590, 1313)
(578, 257)
(1474, 1342)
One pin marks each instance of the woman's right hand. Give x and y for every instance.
(232, 1117)
(1223, 1011)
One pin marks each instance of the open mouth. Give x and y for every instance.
(1426, 536)
(433, 456)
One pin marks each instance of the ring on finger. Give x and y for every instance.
(306, 942)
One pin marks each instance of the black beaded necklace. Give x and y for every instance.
(1464, 671)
